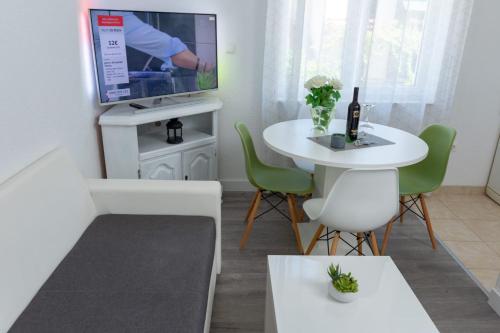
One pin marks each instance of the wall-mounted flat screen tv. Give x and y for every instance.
(140, 55)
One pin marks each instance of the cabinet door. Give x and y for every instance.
(199, 163)
(166, 168)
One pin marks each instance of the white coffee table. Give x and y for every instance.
(297, 299)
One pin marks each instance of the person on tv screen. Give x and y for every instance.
(145, 38)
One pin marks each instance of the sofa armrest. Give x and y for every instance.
(160, 197)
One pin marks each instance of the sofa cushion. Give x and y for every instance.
(129, 273)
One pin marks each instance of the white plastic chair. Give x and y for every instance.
(360, 201)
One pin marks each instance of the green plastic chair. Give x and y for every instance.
(276, 180)
(424, 177)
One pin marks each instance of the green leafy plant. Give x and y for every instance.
(323, 91)
(345, 283)
(324, 96)
(334, 272)
(205, 80)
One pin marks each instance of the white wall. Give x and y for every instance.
(476, 112)
(61, 107)
(50, 51)
(46, 94)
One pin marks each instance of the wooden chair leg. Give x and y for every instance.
(314, 240)
(387, 233)
(293, 215)
(299, 212)
(302, 213)
(401, 208)
(251, 220)
(335, 243)
(251, 205)
(427, 220)
(373, 241)
(359, 237)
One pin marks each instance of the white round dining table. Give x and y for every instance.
(291, 138)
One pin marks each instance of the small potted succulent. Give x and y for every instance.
(343, 287)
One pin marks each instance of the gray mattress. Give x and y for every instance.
(129, 273)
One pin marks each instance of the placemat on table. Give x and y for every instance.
(373, 140)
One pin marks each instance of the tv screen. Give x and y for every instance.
(151, 54)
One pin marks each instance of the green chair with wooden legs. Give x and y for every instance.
(287, 183)
(424, 177)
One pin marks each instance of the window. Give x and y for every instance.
(405, 56)
(394, 48)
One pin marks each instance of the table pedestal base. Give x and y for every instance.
(324, 178)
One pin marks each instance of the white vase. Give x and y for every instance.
(341, 297)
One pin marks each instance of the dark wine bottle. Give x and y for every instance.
(353, 117)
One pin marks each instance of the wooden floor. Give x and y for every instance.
(453, 301)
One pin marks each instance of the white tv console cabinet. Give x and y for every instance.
(135, 143)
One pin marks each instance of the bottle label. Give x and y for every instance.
(355, 114)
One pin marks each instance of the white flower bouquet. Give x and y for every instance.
(324, 93)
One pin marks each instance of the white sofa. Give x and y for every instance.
(45, 208)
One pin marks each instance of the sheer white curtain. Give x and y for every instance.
(403, 54)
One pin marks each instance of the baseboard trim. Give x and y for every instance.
(494, 298)
(448, 189)
(493, 194)
(243, 185)
(236, 185)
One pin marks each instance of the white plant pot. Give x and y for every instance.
(341, 297)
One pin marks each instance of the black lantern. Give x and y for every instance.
(174, 131)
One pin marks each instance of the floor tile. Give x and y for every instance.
(453, 230)
(487, 231)
(487, 277)
(475, 254)
(484, 209)
(451, 197)
(438, 210)
(495, 246)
